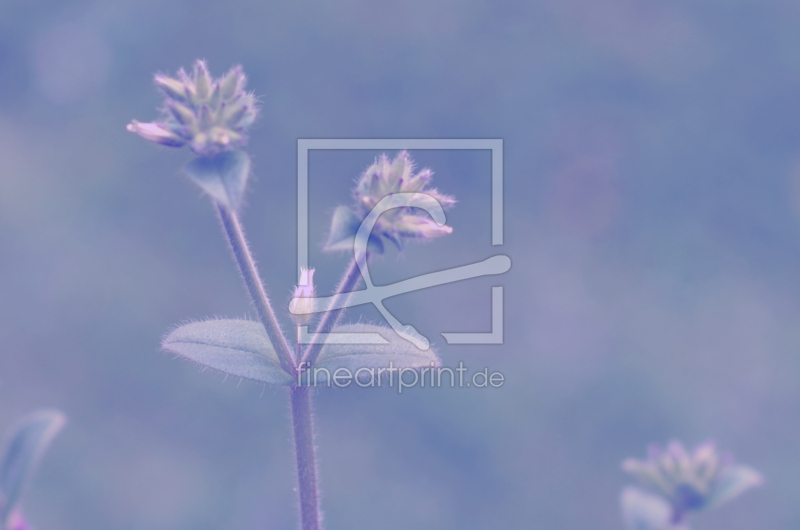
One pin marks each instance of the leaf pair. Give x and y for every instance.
(241, 348)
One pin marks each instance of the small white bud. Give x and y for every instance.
(302, 305)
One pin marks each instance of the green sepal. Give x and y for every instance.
(344, 227)
(223, 176)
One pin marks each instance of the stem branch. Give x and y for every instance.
(301, 408)
(349, 281)
(247, 267)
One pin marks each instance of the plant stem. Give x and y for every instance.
(302, 418)
(252, 281)
(300, 396)
(349, 281)
(304, 451)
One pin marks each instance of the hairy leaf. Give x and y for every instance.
(236, 347)
(27, 442)
(368, 348)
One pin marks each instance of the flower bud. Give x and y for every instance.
(302, 305)
(172, 88)
(202, 81)
(181, 113)
(155, 132)
(209, 115)
(232, 83)
(384, 179)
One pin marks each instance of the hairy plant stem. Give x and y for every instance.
(252, 281)
(350, 280)
(303, 424)
(300, 396)
(302, 417)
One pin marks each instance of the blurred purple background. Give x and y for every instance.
(652, 195)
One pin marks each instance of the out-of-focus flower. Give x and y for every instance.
(691, 481)
(209, 115)
(383, 179)
(17, 522)
(302, 304)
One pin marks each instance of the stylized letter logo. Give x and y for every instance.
(375, 295)
(497, 264)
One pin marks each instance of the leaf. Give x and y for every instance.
(223, 177)
(733, 481)
(644, 511)
(360, 352)
(344, 227)
(236, 347)
(27, 442)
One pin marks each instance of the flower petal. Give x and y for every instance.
(157, 133)
(733, 481)
(643, 511)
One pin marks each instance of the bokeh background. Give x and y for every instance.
(652, 179)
